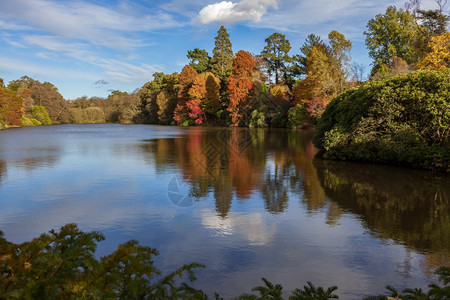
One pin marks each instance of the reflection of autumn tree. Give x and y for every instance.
(223, 194)
(409, 206)
(2, 169)
(236, 162)
(242, 175)
(314, 193)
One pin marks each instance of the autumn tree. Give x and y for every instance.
(391, 34)
(124, 107)
(197, 94)
(211, 104)
(47, 95)
(276, 54)
(199, 60)
(320, 85)
(185, 81)
(298, 67)
(166, 107)
(222, 55)
(240, 84)
(11, 109)
(340, 59)
(439, 57)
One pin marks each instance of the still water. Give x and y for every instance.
(248, 203)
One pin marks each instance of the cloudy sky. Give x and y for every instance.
(93, 47)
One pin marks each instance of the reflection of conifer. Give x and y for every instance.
(223, 193)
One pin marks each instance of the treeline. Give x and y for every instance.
(269, 89)
(28, 102)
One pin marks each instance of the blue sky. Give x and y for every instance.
(93, 47)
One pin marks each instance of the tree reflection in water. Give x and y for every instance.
(408, 206)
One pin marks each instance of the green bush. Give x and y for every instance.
(2, 124)
(40, 114)
(298, 117)
(258, 118)
(28, 121)
(401, 120)
(279, 120)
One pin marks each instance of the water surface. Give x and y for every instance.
(248, 203)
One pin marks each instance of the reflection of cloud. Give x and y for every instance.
(229, 12)
(251, 226)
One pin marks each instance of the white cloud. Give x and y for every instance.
(226, 12)
(105, 26)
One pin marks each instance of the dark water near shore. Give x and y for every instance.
(248, 203)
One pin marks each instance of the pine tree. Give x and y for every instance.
(276, 55)
(222, 55)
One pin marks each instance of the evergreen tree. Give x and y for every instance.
(222, 55)
(200, 60)
(276, 55)
(299, 61)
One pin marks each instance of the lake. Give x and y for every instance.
(247, 203)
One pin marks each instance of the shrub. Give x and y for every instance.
(2, 124)
(298, 117)
(403, 120)
(40, 114)
(28, 121)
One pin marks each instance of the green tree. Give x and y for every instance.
(340, 60)
(149, 92)
(391, 34)
(299, 60)
(222, 55)
(276, 54)
(200, 60)
(211, 104)
(62, 265)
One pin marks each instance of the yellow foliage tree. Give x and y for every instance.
(439, 57)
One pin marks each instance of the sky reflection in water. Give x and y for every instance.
(256, 204)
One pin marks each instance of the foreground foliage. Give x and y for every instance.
(402, 120)
(61, 265)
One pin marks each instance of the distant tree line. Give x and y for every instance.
(269, 89)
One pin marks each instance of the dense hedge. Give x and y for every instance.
(402, 120)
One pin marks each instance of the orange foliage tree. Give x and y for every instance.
(185, 81)
(196, 93)
(11, 107)
(240, 84)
